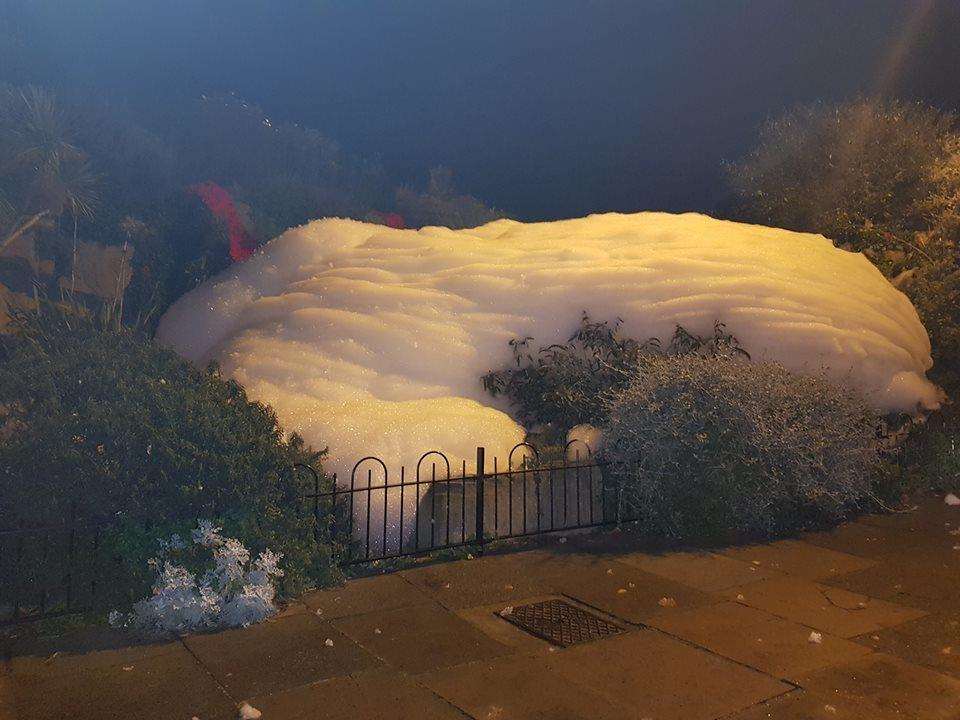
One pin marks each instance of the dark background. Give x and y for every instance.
(543, 108)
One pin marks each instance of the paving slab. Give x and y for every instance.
(801, 705)
(47, 638)
(658, 676)
(926, 580)
(64, 663)
(482, 581)
(882, 687)
(794, 557)
(278, 655)
(766, 642)
(878, 542)
(362, 595)
(628, 592)
(520, 688)
(829, 609)
(377, 695)
(170, 684)
(876, 687)
(7, 706)
(926, 513)
(932, 641)
(420, 638)
(705, 571)
(487, 620)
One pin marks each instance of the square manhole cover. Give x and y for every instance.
(559, 622)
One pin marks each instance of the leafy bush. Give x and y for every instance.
(708, 445)
(286, 173)
(879, 177)
(78, 169)
(440, 204)
(235, 592)
(564, 385)
(108, 424)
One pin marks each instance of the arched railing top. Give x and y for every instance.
(536, 453)
(428, 454)
(361, 461)
(574, 442)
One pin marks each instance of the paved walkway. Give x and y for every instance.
(859, 623)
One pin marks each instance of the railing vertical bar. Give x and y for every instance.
(334, 527)
(537, 483)
(416, 513)
(386, 503)
(353, 481)
(496, 500)
(579, 501)
(566, 521)
(480, 497)
(509, 496)
(592, 499)
(433, 507)
(524, 478)
(463, 502)
(603, 504)
(369, 484)
(316, 506)
(446, 489)
(400, 530)
(553, 495)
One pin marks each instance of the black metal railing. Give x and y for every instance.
(53, 570)
(378, 517)
(74, 566)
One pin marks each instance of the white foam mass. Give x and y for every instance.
(372, 341)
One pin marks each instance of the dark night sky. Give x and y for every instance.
(545, 108)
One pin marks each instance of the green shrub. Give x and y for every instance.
(706, 446)
(564, 385)
(441, 204)
(111, 425)
(931, 455)
(878, 177)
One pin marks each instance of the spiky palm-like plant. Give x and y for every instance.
(43, 174)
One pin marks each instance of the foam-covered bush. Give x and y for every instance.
(235, 592)
(706, 446)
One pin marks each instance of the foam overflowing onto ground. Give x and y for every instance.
(372, 341)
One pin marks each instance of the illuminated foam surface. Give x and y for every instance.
(372, 340)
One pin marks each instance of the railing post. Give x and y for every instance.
(479, 499)
(317, 535)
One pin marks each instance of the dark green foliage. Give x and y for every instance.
(440, 204)
(863, 173)
(561, 386)
(81, 169)
(108, 424)
(882, 178)
(931, 454)
(708, 446)
(285, 173)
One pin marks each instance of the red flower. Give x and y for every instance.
(219, 202)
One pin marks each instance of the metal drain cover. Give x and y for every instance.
(559, 622)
